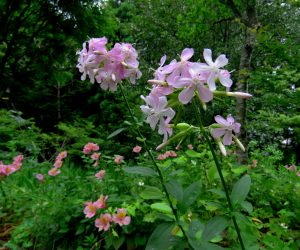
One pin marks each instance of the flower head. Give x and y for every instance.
(101, 202)
(53, 171)
(119, 159)
(137, 149)
(103, 223)
(100, 175)
(90, 148)
(121, 218)
(40, 177)
(90, 209)
(227, 127)
(95, 156)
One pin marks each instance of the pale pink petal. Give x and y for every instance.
(187, 54)
(186, 95)
(221, 61)
(211, 81)
(218, 132)
(225, 81)
(207, 54)
(205, 94)
(219, 119)
(227, 139)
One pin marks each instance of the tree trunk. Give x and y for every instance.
(249, 18)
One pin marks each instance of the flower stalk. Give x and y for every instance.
(216, 160)
(161, 178)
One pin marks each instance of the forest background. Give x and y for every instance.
(42, 96)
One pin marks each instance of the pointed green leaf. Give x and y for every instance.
(193, 154)
(151, 193)
(241, 189)
(118, 131)
(144, 171)
(190, 195)
(175, 189)
(247, 206)
(214, 227)
(161, 207)
(162, 237)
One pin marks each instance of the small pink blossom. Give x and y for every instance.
(17, 162)
(90, 148)
(101, 202)
(40, 177)
(161, 157)
(119, 159)
(62, 155)
(226, 128)
(58, 163)
(190, 146)
(137, 149)
(96, 164)
(7, 169)
(298, 173)
(100, 175)
(54, 172)
(103, 223)
(121, 218)
(90, 209)
(95, 156)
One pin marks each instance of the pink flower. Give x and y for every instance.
(58, 163)
(95, 156)
(62, 155)
(156, 111)
(7, 169)
(103, 223)
(101, 202)
(40, 177)
(100, 175)
(121, 218)
(227, 127)
(137, 149)
(298, 173)
(17, 162)
(190, 146)
(162, 157)
(214, 71)
(54, 172)
(90, 209)
(119, 159)
(90, 147)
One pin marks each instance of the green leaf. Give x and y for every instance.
(193, 154)
(151, 193)
(161, 207)
(241, 189)
(175, 189)
(213, 227)
(118, 131)
(162, 237)
(144, 171)
(247, 206)
(190, 194)
(210, 246)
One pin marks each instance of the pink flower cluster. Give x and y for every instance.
(166, 155)
(137, 149)
(192, 79)
(6, 170)
(108, 68)
(104, 221)
(58, 163)
(91, 149)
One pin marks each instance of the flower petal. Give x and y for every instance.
(207, 54)
(205, 94)
(186, 95)
(227, 139)
(221, 61)
(186, 54)
(219, 119)
(218, 132)
(225, 81)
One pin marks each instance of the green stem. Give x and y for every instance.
(161, 178)
(199, 120)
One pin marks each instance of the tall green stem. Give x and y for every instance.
(216, 160)
(161, 178)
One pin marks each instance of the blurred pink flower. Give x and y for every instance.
(90, 209)
(40, 177)
(62, 155)
(121, 218)
(103, 223)
(101, 202)
(100, 175)
(58, 163)
(190, 146)
(95, 156)
(119, 159)
(137, 149)
(17, 162)
(54, 172)
(90, 148)
(227, 127)
(7, 169)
